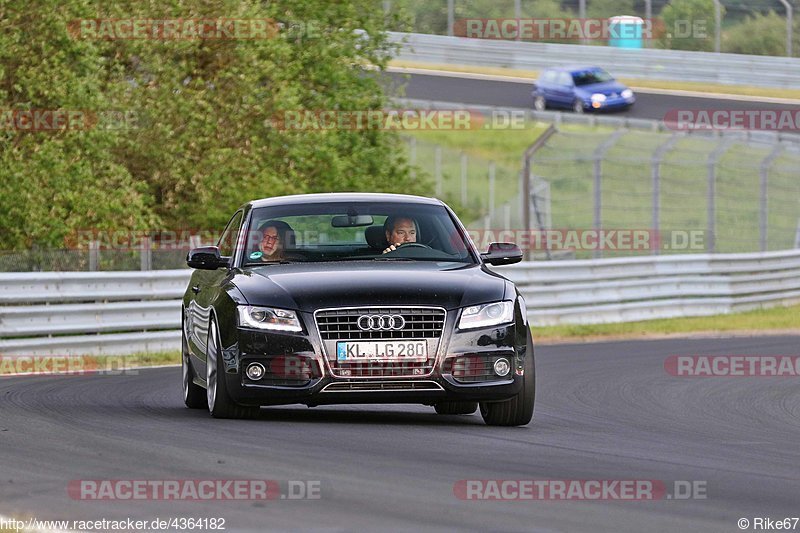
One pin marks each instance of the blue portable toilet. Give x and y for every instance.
(625, 32)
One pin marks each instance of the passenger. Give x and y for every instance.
(274, 239)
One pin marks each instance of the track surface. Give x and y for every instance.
(604, 411)
(513, 94)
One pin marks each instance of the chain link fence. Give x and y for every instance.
(742, 194)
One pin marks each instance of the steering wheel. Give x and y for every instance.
(414, 245)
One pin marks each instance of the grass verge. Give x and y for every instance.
(711, 88)
(762, 321)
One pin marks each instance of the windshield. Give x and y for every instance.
(350, 231)
(589, 77)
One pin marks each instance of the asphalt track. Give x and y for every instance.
(604, 411)
(515, 94)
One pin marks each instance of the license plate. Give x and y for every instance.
(382, 351)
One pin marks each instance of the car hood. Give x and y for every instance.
(308, 287)
(607, 88)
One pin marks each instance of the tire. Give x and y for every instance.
(577, 107)
(194, 396)
(219, 402)
(456, 408)
(518, 411)
(539, 103)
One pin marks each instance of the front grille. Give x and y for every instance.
(376, 386)
(473, 368)
(342, 325)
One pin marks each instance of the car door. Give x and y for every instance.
(205, 285)
(545, 85)
(564, 90)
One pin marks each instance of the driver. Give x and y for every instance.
(399, 230)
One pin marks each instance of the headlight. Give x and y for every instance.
(482, 316)
(268, 318)
(627, 93)
(597, 97)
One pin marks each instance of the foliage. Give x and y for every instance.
(200, 140)
(689, 25)
(760, 35)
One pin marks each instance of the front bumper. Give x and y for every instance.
(457, 374)
(611, 104)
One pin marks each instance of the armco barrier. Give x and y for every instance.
(128, 312)
(675, 65)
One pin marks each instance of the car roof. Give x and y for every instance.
(574, 68)
(343, 197)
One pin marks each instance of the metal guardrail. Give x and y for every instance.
(675, 65)
(643, 288)
(599, 120)
(84, 314)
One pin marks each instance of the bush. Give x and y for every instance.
(760, 35)
(204, 140)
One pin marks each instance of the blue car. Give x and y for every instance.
(580, 89)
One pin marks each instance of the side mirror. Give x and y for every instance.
(502, 253)
(206, 258)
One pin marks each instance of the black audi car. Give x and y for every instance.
(355, 298)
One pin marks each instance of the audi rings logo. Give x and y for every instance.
(381, 322)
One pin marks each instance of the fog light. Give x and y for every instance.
(255, 371)
(502, 367)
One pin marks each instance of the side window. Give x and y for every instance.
(549, 77)
(565, 79)
(227, 242)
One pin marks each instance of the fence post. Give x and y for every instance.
(94, 256)
(718, 24)
(146, 254)
(492, 171)
(658, 158)
(507, 215)
(437, 169)
(412, 142)
(789, 26)
(450, 16)
(525, 181)
(464, 198)
(763, 229)
(599, 153)
(711, 226)
(797, 235)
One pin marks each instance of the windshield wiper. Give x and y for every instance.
(394, 259)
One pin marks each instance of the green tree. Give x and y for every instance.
(689, 25)
(205, 140)
(603, 9)
(760, 35)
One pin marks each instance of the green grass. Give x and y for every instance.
(784, 319)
